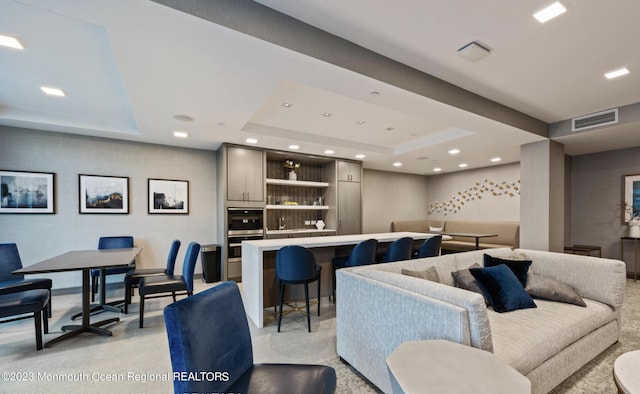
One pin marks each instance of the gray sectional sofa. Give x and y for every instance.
(378, 308)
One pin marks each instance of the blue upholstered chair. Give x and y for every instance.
(118, 242)
(296, 265)
(209, 332)
(169, 284)
(363, 253)
(29, 301)
(398, 250)
(132, 277)
(430, 247)
(9, 283)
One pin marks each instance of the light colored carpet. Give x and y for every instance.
(143, 353)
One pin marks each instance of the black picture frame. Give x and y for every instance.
(168, 196)
(630, 197)
(103, 194)
(27, 192)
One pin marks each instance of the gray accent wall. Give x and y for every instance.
(389, 196)
(596, 191)
(42, 236)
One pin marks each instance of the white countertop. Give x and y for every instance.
(331, 240)
(300, 230)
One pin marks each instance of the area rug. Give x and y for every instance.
(594, 377)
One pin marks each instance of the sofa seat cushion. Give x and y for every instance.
(526, 338)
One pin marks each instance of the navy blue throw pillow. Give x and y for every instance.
(519, 267)
(502, 288)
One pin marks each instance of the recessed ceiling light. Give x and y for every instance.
(326, 114)
(183, 118)
(294, 147)
(437, 169)
(413, 134)
(495, 159)
(617, 73)
(389, 129)
(454, 151)
(10, 42)
(251, 141)
(52, 91)
(180, 134)
(374, 93)
(360, 156)
(221, 124)
(550, 12)
(287, 105)
(463, 165)
(329, 152)
(397, 164)
(361, 122)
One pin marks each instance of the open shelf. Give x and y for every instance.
(286, 182)
(299, 207)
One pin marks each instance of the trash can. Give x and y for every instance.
(211, 263)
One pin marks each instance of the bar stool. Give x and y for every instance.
(296, 265)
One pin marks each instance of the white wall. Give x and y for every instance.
(445, 187)
(42, 236)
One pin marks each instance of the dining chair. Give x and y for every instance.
(10, 283)
(210, 332)
(297, 265)
(398, 250)
(159, 286)
(430, 247)
(132, 277)
(33, 302)
(364, 253)
(117, 242)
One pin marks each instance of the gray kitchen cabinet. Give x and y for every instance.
(349, 208)
(349, 171)
(245, 175)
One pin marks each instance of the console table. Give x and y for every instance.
(583, 249)
(440, 366)
(635, 253)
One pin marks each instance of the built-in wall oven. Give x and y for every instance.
(243, 225)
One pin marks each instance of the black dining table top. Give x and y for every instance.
(83, 259)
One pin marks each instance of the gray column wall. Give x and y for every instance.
(542, 201)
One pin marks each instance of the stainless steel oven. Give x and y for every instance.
(243, 225)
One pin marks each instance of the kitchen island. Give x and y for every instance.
(259, 284)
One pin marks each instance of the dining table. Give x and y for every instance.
(477, 236)
(85, 261)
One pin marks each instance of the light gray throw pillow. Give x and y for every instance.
(546, 288)
(464, 280)
(428, 274)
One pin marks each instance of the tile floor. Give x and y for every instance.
(137, 359)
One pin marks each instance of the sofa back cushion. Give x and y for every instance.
(417, 226)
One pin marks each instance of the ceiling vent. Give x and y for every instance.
(597, 119)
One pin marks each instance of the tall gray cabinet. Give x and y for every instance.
(349, 204)
(245, 176)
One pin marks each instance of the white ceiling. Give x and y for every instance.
(129, 66)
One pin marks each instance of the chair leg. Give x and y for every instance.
(173, 293)
(49, 310)
(281, 302)
(128, 289)
(45, 320)
(319, 283)
(306, 300)
(141, 319)
(37, 317)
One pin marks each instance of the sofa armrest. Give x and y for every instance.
(374, 318)
(595, 278)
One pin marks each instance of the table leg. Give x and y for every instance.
(477, 243)
(86, 326)
(635, 259)
(103, 305)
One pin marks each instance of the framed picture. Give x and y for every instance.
(168, 196)
(630, 197)
(104, 194)
(26, 192)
